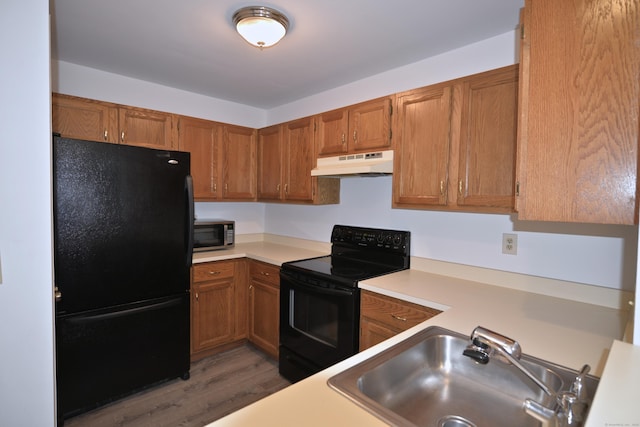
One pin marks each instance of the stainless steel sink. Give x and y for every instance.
(426, 381)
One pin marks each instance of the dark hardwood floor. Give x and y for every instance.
(219, 385)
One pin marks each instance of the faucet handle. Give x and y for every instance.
(578, 388)
(572, 410)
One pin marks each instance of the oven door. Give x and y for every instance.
(319, 325)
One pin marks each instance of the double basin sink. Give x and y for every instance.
(426, 381)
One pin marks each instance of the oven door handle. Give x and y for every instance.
(319, 289)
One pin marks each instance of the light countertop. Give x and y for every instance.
(562, 331)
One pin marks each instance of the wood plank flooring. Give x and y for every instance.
(219, 385)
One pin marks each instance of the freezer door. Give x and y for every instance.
(122, 224)
(103, 355)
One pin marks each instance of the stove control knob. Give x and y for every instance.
(388, 239)
(380, 238)
(397, 239)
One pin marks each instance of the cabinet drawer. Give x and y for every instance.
(265, 272)
(212, 271)
(393, 312)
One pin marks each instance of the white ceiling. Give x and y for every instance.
(192, 45)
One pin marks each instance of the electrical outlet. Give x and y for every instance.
(509, 244)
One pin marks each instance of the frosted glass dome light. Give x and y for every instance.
(261, 26)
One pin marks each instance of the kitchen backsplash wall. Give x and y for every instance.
(602, 255)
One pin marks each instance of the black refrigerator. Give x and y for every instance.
(123, 219)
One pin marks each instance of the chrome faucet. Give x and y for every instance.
(570, 405)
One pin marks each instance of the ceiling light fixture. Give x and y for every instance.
(261, 26)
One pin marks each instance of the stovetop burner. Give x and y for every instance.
(356, 254)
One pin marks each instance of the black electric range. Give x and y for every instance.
(320, 299)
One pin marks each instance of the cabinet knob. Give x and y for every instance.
(442, 188)
(402, 319)
(460, 187)
(122, 136)
(106, 135)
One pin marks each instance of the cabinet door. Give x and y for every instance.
(145, 128)
(270, 160)
(238, 145)
(86, 119)
(332, 133)
(486, 169)
(264, 306)
(212, 315)
(578, 140)
(299, 160)
(370, 125)
(421, 157)
(372, 333)
(198, 137)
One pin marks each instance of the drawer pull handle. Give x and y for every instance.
(214, 273)
(264, 273)
(403, 319)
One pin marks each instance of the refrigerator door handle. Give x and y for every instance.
(123, 313)
(190, 218)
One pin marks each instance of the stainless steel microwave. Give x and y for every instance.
(213, 235)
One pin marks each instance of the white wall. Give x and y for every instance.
(599, 255)
(72, 79)
(592, 254)
(26, 291)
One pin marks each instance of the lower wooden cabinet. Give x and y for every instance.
(264, 303)
(382, 317)
(218, 299)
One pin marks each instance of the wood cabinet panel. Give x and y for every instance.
(578, 128)
(264, 306)
(370, 125)
(486, 168)
(86, 119)
(287, 178)
(382, 317)
(238, 148)
(300, 159)
(216, 296)
(361, 127)
(456, 142)
(270, 163)
(145, 128)
(423, 138)
(198, 137)
(332, 132)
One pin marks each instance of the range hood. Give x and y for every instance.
(362, 164)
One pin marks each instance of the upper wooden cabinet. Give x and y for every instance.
(238, 162)
(361, 127)
(223, 159)
(270, 161)
(422, 141)
(82, 118)
(198, 137)
(488, 135)
(286, 155)
(145, 128)
(455, 144)
(578, 124)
